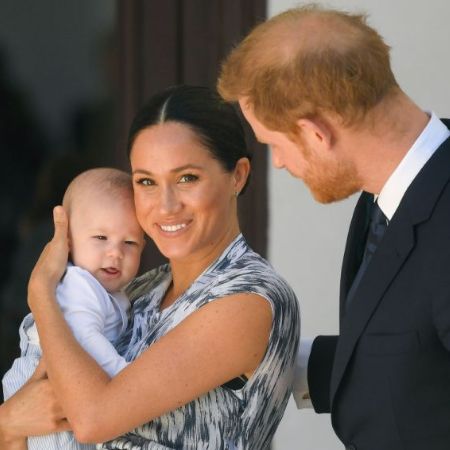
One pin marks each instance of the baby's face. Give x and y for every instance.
(106, 239)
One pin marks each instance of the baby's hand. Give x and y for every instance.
(52, 263)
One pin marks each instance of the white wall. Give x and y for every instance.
(306, 240)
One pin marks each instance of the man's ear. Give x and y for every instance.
(316, 133)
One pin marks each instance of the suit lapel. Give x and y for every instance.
(416, 207)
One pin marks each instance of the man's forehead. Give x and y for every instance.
(257, 127)
(247, 110)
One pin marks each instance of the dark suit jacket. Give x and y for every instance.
(386, 378)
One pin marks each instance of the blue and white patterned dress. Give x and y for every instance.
(222, 419)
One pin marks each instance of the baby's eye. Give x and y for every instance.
(131, 243)
(188, 178)
(145, 181)
(100, 237)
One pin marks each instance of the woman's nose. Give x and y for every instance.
(169, 201)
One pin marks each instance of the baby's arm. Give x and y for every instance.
(85, 305)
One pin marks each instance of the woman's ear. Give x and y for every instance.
(241, 173)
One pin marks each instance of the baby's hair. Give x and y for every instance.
(101, 180)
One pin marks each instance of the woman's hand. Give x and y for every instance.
(51, 264)
(32, 411)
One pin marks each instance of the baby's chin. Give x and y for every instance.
(112, 281)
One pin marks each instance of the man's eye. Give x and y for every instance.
(100, 237)
(188, 178)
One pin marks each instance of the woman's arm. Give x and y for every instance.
(215, 344)
(33, 410)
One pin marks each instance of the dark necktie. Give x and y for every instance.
(377, 227)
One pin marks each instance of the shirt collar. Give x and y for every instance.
(433, 135)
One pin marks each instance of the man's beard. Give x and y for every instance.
(329, 180)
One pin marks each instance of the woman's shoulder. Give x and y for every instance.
(240, 256)
(248, 271)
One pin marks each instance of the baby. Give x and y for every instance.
(105, 242)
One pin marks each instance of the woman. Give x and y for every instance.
(213, 334)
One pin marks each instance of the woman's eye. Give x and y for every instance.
(145, 181)
(188, 178)
(100, 237)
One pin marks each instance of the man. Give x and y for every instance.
(316, 85)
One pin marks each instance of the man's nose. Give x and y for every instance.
(277, 161)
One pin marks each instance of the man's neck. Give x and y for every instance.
(379, 146)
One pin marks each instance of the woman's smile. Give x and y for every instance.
(173, 230)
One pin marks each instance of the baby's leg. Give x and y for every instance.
(23, 367)
(57, 441)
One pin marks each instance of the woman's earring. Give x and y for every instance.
(236, 193)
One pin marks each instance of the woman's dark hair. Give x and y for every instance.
(215, 122)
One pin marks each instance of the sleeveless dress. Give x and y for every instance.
(222, 419)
